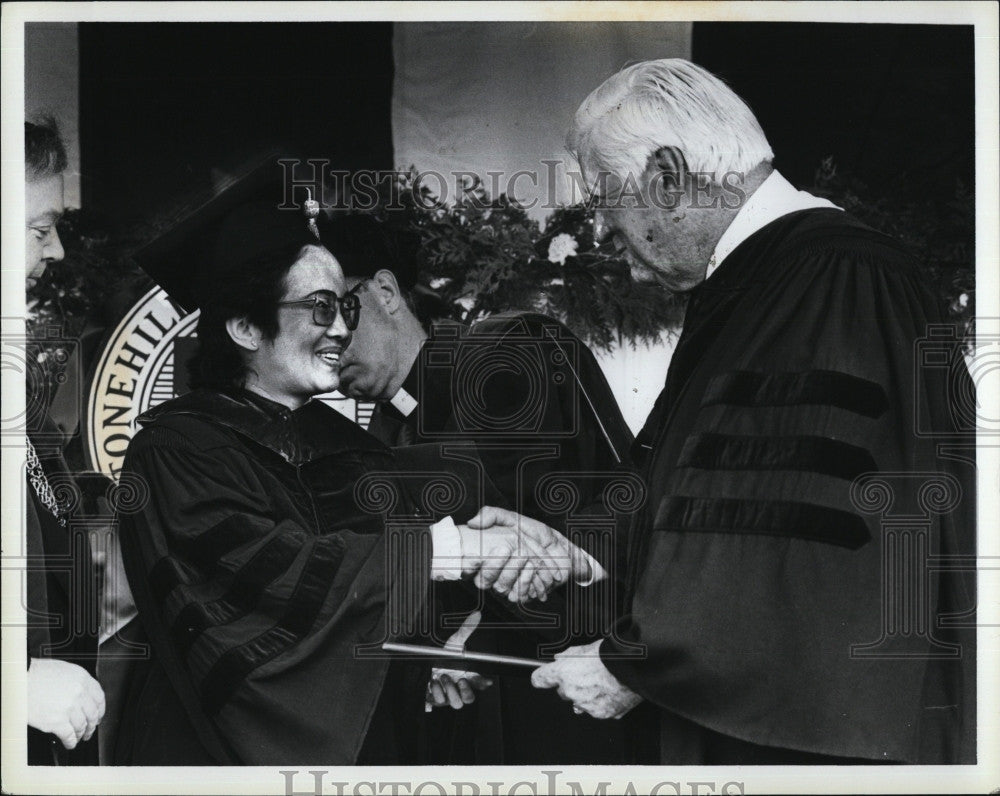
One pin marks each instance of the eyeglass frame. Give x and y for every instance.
(348, 307)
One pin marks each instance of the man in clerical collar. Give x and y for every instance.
(380, 269)
(534, 402)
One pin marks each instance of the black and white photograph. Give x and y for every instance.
(500, 398)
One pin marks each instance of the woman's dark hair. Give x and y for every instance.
(44, 152)
(252, 292)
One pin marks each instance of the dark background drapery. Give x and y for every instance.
(162, 104)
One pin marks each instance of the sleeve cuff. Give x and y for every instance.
(597, 572)
(446, 542)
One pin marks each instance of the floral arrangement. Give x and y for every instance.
(484, 255)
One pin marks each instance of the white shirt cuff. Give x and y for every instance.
(446, 542)
(597, 572)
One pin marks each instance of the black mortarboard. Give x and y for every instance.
(363, 245)
(220, 235)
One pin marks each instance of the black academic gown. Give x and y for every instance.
(262, 581)
(808, 480)
(510, 387)
(62, 592)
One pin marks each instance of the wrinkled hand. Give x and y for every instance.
(63, 699)
(453, 686)
(570, 559)
(579, 676)
(509, 562)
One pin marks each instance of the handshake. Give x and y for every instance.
(519, 557)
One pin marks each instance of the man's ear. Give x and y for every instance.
(388, 291)
(245, 334)
(669, 160)
(669, 173)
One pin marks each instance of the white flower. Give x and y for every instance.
(466, 303)
(439, 282)
(963, 300)
(562, 246)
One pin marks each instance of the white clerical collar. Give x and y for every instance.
(776, 197)
(403, 402)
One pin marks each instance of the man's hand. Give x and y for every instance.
(63, 699)
(453, 686)
(580, 677)
(570, 559)
(510, 563)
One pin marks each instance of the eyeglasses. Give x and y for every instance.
(324, 311)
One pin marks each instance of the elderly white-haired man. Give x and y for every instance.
(783, 605)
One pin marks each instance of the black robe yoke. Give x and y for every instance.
(758, 573)
(258, 578)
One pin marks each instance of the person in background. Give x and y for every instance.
(497, 373)
(65, 701)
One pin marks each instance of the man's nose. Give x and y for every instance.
(53, 249)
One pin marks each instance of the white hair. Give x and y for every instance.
(670, 102)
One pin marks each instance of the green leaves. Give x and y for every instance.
(496, 260)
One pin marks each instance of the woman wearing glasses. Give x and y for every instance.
(256, 574)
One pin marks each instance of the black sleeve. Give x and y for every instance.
(267, 616)
(762, 589)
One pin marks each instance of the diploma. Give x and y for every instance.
(454, 658)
